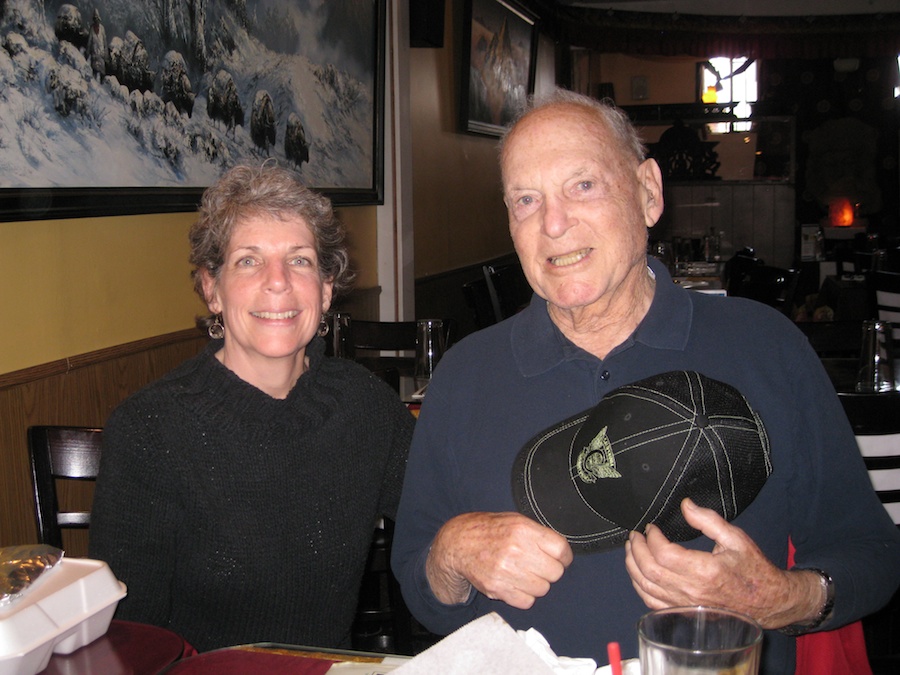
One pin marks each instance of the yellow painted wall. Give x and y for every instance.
(72, 286)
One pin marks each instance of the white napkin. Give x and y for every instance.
(629, 667)
(561, 665)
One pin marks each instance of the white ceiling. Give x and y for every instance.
(744, 7)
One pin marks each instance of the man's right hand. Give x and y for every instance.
(506, 556)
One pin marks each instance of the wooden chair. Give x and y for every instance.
(875, 419)
(61, 452)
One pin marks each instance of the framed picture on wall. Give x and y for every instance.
(498, 62)
(122, 108)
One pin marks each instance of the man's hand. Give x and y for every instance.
(506, 556)
(736, 575)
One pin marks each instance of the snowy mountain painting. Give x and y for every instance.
(170, 93)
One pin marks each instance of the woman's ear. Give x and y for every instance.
(210, 291)
(327, 294)
(650, 179)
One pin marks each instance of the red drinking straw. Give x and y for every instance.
(615, 657)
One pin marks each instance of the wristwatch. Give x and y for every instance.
(824, 613)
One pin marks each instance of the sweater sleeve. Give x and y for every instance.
(133, 506)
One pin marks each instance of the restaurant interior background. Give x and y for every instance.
(96, 307)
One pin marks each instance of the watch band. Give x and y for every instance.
(825, 611)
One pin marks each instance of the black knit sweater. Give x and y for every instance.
(234, 517)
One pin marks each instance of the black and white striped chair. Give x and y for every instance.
(875, 419)
(887, 299)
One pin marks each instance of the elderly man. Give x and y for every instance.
(580, 197)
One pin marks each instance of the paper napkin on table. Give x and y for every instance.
(560, 665)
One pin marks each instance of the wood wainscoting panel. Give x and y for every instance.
(79, 391)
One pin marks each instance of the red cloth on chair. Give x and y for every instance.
(831, 652)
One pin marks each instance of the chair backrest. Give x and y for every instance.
(383, 335)
(61, 452)
(887, 298)
(773, 286)
(735, 269)
(502, 291)
(364, 341)
(833, 338)
(875, 419)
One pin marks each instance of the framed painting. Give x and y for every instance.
(114, 107)
(498, 64)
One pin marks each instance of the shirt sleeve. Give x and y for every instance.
(838, 523)
(428, 502)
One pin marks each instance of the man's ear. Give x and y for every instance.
(650, 179)
(209, 291)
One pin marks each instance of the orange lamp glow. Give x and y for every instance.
(710, 95)
(841, 212)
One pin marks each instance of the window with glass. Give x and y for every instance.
(729, 80)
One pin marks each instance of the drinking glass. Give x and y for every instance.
(698, 641)
(341, 336)
(876, 359)
(429, 349)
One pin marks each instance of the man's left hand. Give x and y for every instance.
(735, 575)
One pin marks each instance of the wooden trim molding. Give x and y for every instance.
(78, 391)
(62, 366)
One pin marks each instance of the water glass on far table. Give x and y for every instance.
(699, 641)
(429, 349)
(876, 359)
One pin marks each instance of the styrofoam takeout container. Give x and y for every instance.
(68, 607)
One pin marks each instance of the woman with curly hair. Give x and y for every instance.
(238, 494)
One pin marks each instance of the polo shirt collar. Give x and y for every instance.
(539, 346)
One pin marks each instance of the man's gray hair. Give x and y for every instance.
(604, 110)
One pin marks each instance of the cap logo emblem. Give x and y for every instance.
(597, 460)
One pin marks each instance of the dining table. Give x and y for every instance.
(282, 659)
(127, 648)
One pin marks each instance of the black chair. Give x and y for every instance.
(886, 289)
(834, 339)
(875, 419)
(736, 267)
(501, 292)
(364, 341)
(61, 452)
(773, 286)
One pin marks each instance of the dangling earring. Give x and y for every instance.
(216, 330)
(324, 328)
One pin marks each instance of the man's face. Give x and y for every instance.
(578, 206)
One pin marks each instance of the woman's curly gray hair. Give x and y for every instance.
(246, 191)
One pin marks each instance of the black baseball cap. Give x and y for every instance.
(633, 458)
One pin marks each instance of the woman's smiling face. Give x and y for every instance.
(269, 293)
